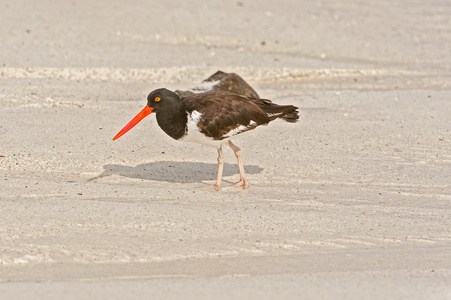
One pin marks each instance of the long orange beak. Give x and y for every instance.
(144, 113)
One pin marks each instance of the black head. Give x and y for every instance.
(163, 99)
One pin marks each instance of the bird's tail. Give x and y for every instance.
(288, 113)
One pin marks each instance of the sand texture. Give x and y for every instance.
(351, 202)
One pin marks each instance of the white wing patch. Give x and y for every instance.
(193, 133)
(241, 129)
(195, 116)
(270, 115)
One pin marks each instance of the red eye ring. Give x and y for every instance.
(157, 99)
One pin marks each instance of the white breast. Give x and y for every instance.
(195, 136)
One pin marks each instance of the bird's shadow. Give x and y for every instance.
(174, 171)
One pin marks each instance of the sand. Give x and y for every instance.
(352, 202)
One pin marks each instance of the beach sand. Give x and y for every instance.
(351, 202)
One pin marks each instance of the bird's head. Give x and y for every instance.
(162, 99)
(156, 101)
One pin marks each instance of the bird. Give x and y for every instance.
(212, 118)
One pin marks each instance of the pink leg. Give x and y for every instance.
(243, 180)
(217, 185)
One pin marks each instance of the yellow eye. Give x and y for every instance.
(157, 99)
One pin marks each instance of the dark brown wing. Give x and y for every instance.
(288, 113)
(227, 114)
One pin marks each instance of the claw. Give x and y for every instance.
(242, 183)
(216, 187)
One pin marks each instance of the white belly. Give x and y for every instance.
(194, 135)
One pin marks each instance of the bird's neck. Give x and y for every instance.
(174, 121)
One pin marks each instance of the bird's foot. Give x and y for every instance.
(216, 187)
(242, 183)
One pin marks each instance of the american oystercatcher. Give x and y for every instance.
(213, 119)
